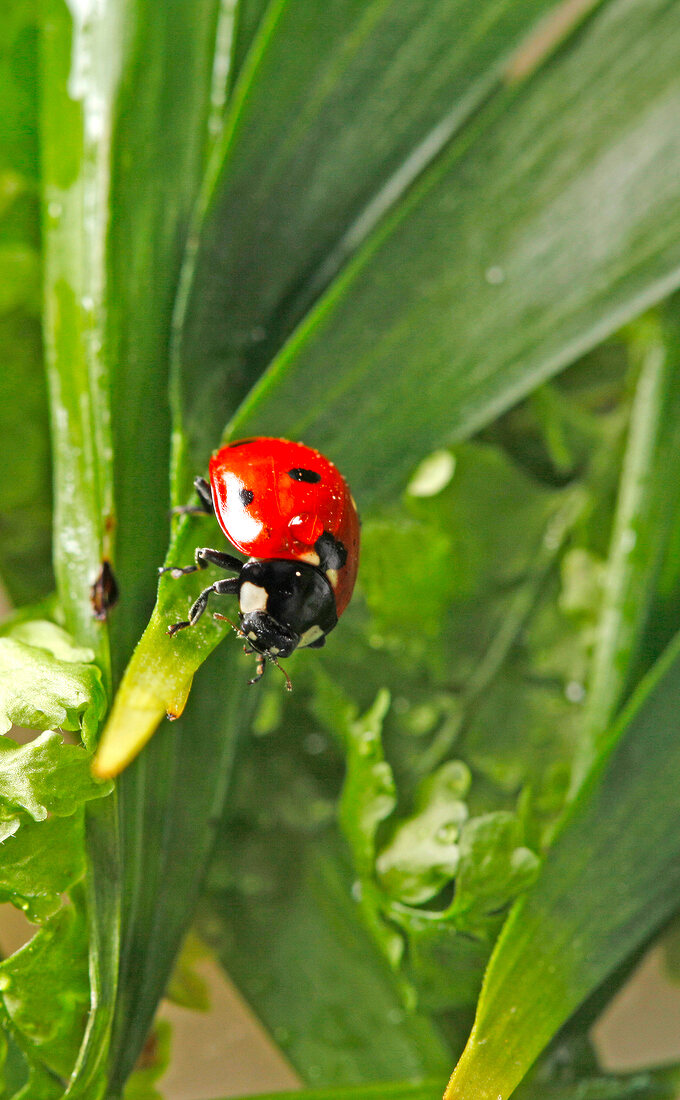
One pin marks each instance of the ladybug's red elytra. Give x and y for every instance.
(290, 511)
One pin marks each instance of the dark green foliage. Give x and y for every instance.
(408, 232)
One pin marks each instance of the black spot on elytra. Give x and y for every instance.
(247, 496)
(299, 473)
(332, 553)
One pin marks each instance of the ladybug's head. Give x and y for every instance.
(284, 604)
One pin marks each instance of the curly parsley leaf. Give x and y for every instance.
(48, 683)
(45, 989)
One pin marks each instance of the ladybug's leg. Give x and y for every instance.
(260, 670)
(204, 557)
(220, 588)
(204, 495)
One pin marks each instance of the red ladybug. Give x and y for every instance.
(290, 510)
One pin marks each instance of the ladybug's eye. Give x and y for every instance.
(247, 496)
(299, 473)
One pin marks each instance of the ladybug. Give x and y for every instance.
(290, 511)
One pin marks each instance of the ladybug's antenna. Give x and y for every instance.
(237, 630)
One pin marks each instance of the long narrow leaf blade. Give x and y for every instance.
(320, 988)
(25, 486)
(169, 801)
(336, 109)
(75, 219)
(646, 509)
(249, 14)
(549, 221)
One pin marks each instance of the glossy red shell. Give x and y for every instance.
(267, 513)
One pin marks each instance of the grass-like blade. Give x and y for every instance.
(334, 112)
(25, 488)
(321, 988)
(75, 220)
(248, 16)
(168, 803)
(646, 510)
(505, 262)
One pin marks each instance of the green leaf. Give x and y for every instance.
(604, 888)
(40, 1086)
(24, 1081)
(424, 851)
(155, 1062)
(45, 989)
(158, 679)
(498, 268)
(444, 966)
(75, 164)
(47, 776)
(25, 561)
(125, 134)
(406, 602)
(29, 627)
(493, 678)
(248, 18)
(40, 690)
(368, 797)
(167, 58)
(102, 893)
(302, 174)
(186, 987)
(490, 864)
(327, 997)
(80, 67)
(647, 505)
(495, 868)
(490, 867)
(80, 56)
(179, 791)
(40, 862)
(658, 1084)
(368, 794)
(25, 489)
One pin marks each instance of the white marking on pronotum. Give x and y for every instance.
(311, 557)
(332, 575)
(252, 598)
(310, 636)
